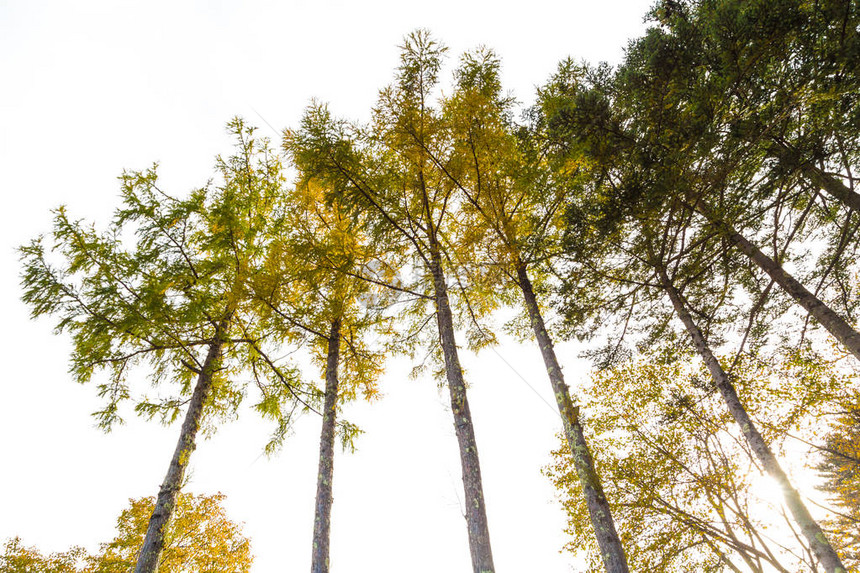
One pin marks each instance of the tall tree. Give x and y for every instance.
(779, 81)
(176, 300)
(511, 207)
(840, 466)
(313, 286)
(659, 264)
(703, 96)
(813, 533)
(653, 131)
(388, 173)
(648, 176)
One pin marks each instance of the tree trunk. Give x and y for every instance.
(476, 514)
(835, 324)
(816, 176)
(322, 518)
(614, 559)
(153, 544)
(813, 533)
(833, 186)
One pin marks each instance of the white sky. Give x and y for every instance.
(89, 88)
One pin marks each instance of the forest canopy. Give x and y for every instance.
(690, 217)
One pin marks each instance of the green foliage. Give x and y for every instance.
(317, 269)
(706, 107)
(747, 107)
(394, 180)
(164, 280)
(717, 122)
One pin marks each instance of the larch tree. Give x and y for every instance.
(511, 207)
(313, 288)
(165, 289)
(387, 172)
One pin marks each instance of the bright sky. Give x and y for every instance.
(90, 88)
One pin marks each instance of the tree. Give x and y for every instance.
(779, 80)
(512, 210)
(840, 466)
(650, 176)
(177, 301)
(809, 527)
(311, 286)
(387, 173)
(17, 558)
(844, 332)
(657, 130)
(718, 88)
(200, 538)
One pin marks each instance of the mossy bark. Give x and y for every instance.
(322, 516)
(476, 514)
(153, 544)
(611, 550)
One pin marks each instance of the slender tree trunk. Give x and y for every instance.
(322, 518)
(153, 543)
(811, 530)
(835, 324)
(476, 514)
(614, 559)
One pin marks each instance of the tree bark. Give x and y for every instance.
(476, 514)
(835, 324)
(816, 176)
(153, 544)
(611, 550)
(833, 186)
(811, 530)
(322, 518)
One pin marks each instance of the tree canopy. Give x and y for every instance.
(690, 216)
